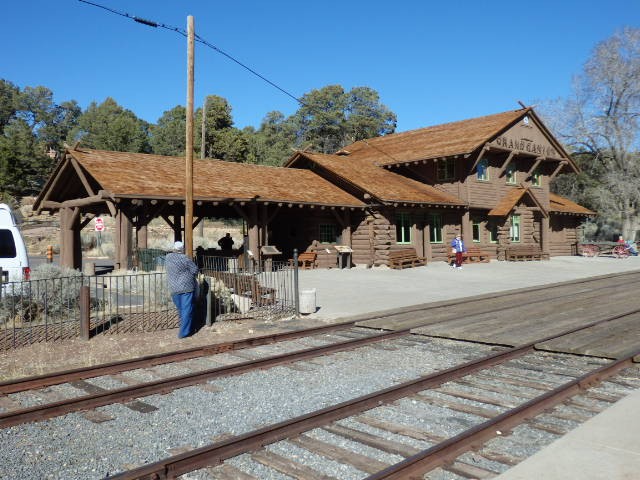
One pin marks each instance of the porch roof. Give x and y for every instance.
(560, 204)
(138, 175)
(511, 199)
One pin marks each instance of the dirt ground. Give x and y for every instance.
(45, 358)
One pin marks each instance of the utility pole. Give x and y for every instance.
(188, 214)
(202, 152)
(204, 129)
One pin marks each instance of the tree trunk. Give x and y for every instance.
(630, 223)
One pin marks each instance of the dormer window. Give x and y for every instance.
(536, 178)
(446, 169)
(482, 170)
(510, 174)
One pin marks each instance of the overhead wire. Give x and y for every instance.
(206, 43)
(198, 39)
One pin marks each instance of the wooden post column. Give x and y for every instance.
(254, 232)
(345, 223)
(70, 248)
(177, 228)
(544, 236)
(346, 230)
(63, 212)
(122, 241)
(141, 237)
(466, 228)
(418, 232)
(426, 241)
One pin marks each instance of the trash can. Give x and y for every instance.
(308, 301)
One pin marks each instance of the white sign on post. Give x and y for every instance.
(99, 224)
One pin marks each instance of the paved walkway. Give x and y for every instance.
(607, 447)
(355, 291)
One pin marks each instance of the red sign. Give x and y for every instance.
(99, 224)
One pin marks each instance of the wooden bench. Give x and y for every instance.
(405, 258)
(472, 255)
(246, 285)
(307, 260)
(522, 253)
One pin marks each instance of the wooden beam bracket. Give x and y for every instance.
(484, 149)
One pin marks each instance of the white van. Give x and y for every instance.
(14, 263)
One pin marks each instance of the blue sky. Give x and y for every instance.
(431, 62)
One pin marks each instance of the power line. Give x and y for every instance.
(204, 42)
(198, 39)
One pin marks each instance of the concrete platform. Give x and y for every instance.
(607, 447)
(356, 291)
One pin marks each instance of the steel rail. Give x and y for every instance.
(447, 451)
(56, 378)
(216, 453)
(120, 395)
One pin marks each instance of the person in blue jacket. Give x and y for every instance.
(457, 247)
(181, 274)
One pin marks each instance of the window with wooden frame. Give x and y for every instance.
(403, 228)
(510, 174)
(514, 229)
(435, 228)
(482, 170)
(536, 178)
(328, 233)
(476, 224)
(446, 169)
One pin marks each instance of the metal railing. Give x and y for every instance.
(39, 311)
(129, 303)
(83, 306)
(239, 289)
(49, 310)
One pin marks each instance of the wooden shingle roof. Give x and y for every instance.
(143, 175)
(383, 184)
(455, 138)
(564, 205)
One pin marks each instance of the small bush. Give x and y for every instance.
(50, 295)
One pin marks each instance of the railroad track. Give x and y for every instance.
(424, 390)
(431, 390)
(98, 396)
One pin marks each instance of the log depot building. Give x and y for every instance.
(486, 178)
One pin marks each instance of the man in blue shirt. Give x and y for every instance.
(457, 247)
(181, 274)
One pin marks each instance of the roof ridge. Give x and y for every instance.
(422, 129)
(89, 151)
